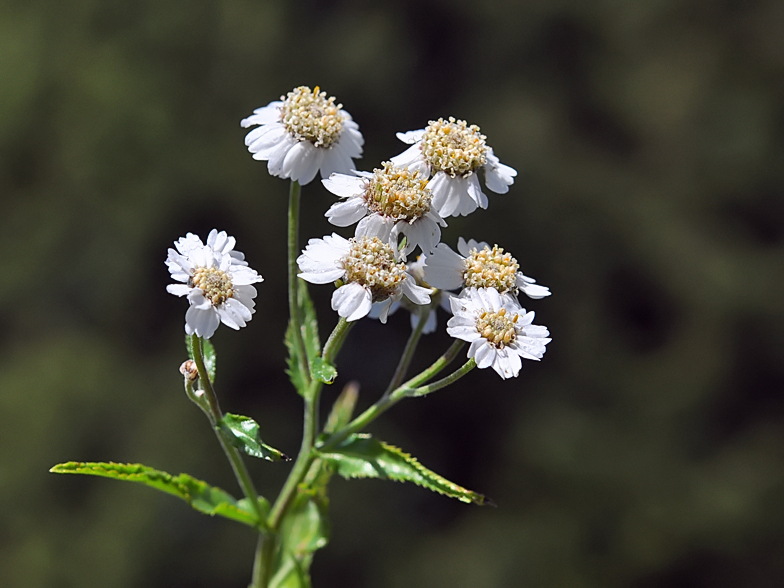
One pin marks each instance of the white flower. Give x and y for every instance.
(217, 282)
(437, 298)
(369, 272)
(303, 133)
(453, 152)
(498, 328)
(479, 266)
(390, 202)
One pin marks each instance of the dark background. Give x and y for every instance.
(644, 451)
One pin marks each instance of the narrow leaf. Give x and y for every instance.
(323, 371)
(243, 433)
(343, 409)
(200, 495)
(362, 456)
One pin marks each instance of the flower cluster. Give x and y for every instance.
(399, 207)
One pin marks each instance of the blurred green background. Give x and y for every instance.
(645, 451)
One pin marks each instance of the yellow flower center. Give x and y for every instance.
(215, 284)
(371, 263)
(311, 116)
(398, 193)
(497, 327)
(491, 268)
(454, 147)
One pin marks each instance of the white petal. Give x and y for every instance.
(296, 160)
(311, 168)
(264, 115)
(410, 157)
(352, 301)
(336, 160)
(326, 276)
(411, 137)
(485, 355)
(444, 268)
(178, 289)
(278, 156)
(202, 322)
(506, 364)
(346, 213)
(498, 177)
(417, 294)
(531, 290)
(376, 225)
(344, 185)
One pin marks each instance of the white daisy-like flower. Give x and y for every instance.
(453, 152)
(368, 270)
(479, 266)
(389, 202)
(302, 133)
(437, 298)
(217, 282)
(499, 330)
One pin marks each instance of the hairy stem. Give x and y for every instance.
(408, 353)
(293, 252)
(215, 415)
(407, 389)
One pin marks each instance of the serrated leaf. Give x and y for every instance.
(243, 433)
(208, 353)
(343, 408)
(200, 495)
(310, 337)
(362, 456)
(323, 371)
(304, 530)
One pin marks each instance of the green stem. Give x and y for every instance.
(443, 382)
(293, 253)
(215, 415)
(305, 456)
(407, 389)
(408, 352)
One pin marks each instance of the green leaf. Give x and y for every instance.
(243, 433)
(343, 409)
(210, 359)
(323, 371)
(304, 530)
(362, 456)
(200, 495)
(208, 353)
(310, 337)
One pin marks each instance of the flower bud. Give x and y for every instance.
(189, 370)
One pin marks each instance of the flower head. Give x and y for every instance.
(217, 282)
(498, 328)
(303, 133)
(453, 152)
(479, 266)
(368, 268)
(389, 202)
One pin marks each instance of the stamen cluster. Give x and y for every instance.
(398, 192)
(497, 327)
(491, 268)
(454, 147)
(311, 116)
(215, 284)
(371, 263)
